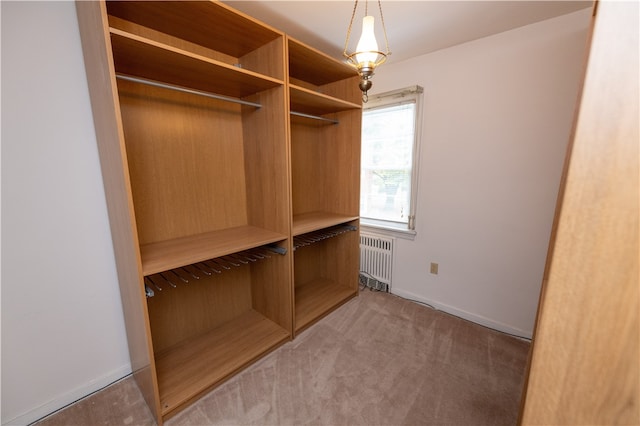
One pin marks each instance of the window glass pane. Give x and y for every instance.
(387, 149)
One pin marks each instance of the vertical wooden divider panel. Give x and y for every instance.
(585, 365)
(94, 32)
(308, 158)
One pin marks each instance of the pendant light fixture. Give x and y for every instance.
(367, 56)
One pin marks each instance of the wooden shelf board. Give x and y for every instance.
(309, 102)
(165, 255)
(313, 66)
(313, 221)
(198, 364)
(317, 298)
(210, 24)
(141, 57)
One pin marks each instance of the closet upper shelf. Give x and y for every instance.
(310, 102)
(319, 83)
(141, 57)
(210, 24)
(315, 67)
(164, 255)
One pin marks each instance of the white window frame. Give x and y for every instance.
(394, 97)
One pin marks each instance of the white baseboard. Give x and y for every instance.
(69, 397)
(478, 319)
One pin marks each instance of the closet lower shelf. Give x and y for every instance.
(313, 221)
(200, 363)
(317, 298)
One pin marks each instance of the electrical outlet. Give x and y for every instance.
(434, 268)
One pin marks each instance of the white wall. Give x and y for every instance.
(497, 118)
(62, 325)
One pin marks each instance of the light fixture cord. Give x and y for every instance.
(346, 42)
(384, 28)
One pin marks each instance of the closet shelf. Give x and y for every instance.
(317, 298)
(166, 255)
(307, 101)
(313, 66)
(210, 24)
(196, 365)
(141, 57)
(313, 221)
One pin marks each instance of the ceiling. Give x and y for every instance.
(414, 28)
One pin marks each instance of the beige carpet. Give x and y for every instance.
(378, 360)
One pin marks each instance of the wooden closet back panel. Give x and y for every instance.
(186, 162)
(343, 177)
(325, 164)
(149, 33)
(212, 301)
(308, 151)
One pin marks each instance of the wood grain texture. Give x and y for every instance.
(326, 164)
(94, 34)
(318, 298)
(268, 59)
(315, 67)
(343, 168)
(313, 102)
(326, 275)
(584, 365)
(141, 57)
(192, 309)
(325, 179)
(313, 221)
(308, 160)
(174, 253)
(186, 161)
(208, 23)
(192, 368)
(272, 290)
(169, 40)
(347, 89)
(265, 166)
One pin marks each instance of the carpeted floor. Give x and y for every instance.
(377, 360)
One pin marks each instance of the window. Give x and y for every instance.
(388, 180)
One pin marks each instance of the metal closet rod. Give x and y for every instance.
(218, 265)
(185, 90)
(317, 236)
(155, 83)
(315, 117)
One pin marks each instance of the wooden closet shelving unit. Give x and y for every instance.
(223, 142)
(325, 164)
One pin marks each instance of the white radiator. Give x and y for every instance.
(376, 259)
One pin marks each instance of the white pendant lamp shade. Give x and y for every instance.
(367, 48)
